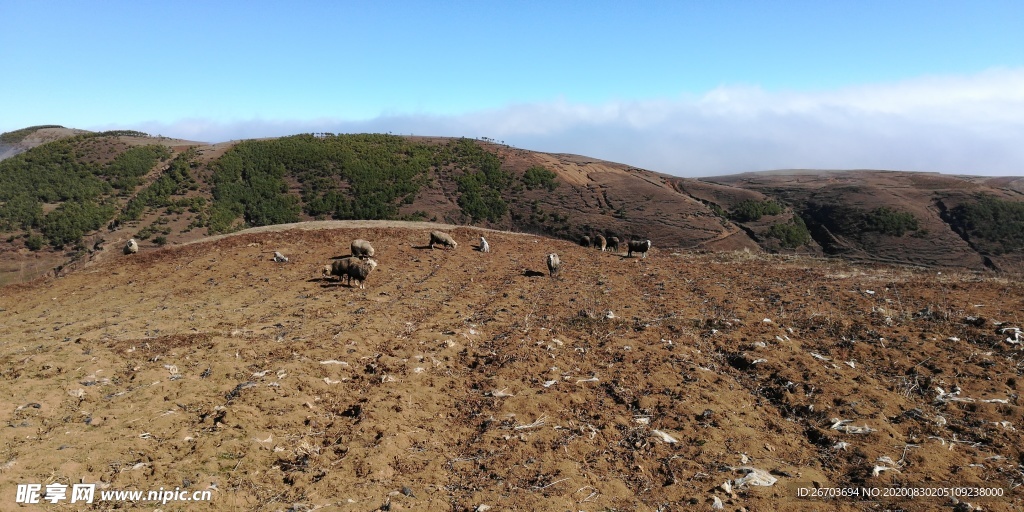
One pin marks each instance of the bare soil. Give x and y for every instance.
(457, 379)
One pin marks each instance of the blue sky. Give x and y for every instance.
(691, 88)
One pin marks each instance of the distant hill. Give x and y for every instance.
(902, 217)
(19, 141)
(69, 195)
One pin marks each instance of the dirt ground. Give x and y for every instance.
(458, 380)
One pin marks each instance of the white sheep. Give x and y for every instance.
(280, 258)
(640, 246)
(131, 247)
(554, 264)
(362, 249)
(438, 237)
(484, 246)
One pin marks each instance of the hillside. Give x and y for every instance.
(903, 217)
(73, 200)
(20, 141)
(459, 379)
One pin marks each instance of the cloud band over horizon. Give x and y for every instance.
(950, 124)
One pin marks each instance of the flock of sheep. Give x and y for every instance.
(360, 263)
(612, 243)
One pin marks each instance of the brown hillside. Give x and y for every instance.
(458, 379)
(925, 195)
(618, 200)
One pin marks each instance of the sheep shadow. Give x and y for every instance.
(342, 257)
(533, 273)
(327, 283)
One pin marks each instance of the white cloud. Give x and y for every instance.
(953, 124)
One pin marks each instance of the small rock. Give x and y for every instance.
(716, 503)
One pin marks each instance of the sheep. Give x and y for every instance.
(131, 247)
(339, 268)
(600, 242)
(640, 246)
(438, 237)
(553, 264)
(585, 241)
(350, 268)
(362, 249)
(484, 246)
(613, 243)
(360, 270)
(280, 258)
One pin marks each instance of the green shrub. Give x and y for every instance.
(22, 212)
(791, 234)
(366, 176)
(127, 168)
(480, 192)
(854, 222)
(158, 194)
(34, 242)
(73, 219)
(750, 210)
(540, 177)
(991, 224)
(890, 222)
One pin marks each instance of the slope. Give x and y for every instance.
(900, 217)
(458, 379)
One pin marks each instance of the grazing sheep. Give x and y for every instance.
(600, 242)
(553, 264)
(350, 268)
(131, 247)
(437, 237)
(280, 258)
(613, 243)
(585, 241)
(339, 268)
(484, 246)
(360, 270)
(362, 249)
(640, 246)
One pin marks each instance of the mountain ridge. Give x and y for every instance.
(898, 217)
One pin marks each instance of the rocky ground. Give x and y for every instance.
(458, 380)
